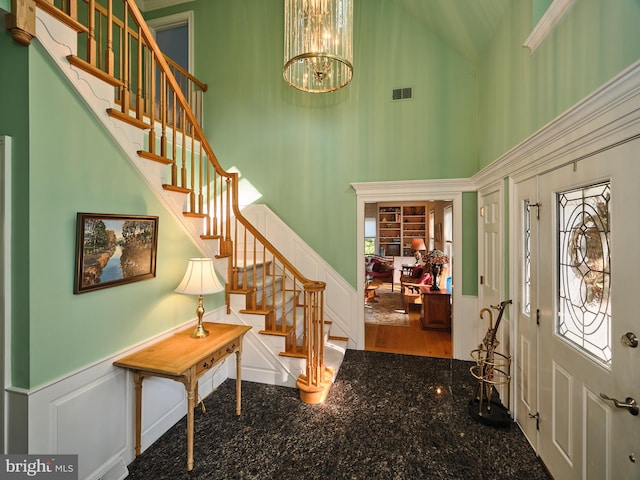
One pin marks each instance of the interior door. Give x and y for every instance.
(525, 310)
(588, 277)
(490, 269)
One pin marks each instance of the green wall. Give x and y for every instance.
(14, 122)
(470, 243)
(65, 162)
(302, 151)
(519, 93)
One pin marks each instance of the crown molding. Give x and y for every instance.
(411, 189)
(544, 26)
(149, 5)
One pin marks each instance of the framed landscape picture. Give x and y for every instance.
(114, 249)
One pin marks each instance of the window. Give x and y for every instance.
(370, 235)
(448, 232)
(526, 258)
(432, 229)
(584, 307)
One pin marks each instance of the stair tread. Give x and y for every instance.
(156, 158)
(293, 354)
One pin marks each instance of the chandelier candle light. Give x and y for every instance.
(318, 50)
(200, 279)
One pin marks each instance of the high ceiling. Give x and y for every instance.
(466, 25)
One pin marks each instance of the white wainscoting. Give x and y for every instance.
(91, 412)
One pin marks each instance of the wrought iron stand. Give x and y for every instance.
(491, 369)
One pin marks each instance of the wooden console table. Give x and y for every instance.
(436, 309)
(185, 359)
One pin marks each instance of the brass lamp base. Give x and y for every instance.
(200, 331)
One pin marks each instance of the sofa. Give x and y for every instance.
(380, 268)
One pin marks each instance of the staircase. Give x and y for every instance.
(153, 110)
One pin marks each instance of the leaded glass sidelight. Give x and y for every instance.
(526, 258)
(584, 307)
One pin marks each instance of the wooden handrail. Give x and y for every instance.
(150, 96)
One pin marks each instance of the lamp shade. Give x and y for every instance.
(418, 244)
(436, 257)
(200, 278)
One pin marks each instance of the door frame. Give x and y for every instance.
(5, 285)
(415, 190)
(177, 20)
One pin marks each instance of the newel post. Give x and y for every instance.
(315, 383)
(22, 21)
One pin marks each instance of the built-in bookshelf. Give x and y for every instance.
(389, 230)
(398, 225)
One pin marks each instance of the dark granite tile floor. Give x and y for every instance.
(387, 417)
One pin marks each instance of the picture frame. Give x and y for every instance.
(114, 249)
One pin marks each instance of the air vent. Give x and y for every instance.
(402, 93)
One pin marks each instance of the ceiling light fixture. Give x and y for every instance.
(318, 50)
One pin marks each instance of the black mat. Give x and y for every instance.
(387, 417)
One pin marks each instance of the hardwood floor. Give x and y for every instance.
(411, 340)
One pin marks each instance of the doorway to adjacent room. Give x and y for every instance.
(396, 237)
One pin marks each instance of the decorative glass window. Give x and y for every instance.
(526, 259)
(584, 307)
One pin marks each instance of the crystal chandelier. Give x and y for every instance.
(318, 47)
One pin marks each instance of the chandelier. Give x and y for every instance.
(318, 47)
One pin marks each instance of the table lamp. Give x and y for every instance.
(435, 259)
(200, 279)
(418, 246)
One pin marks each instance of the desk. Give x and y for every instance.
(436, 309)
(185, 359)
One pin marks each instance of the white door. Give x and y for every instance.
(491, 260)
(490, 234)
(588, 278)
(525, 309)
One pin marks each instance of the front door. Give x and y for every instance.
(588, 274)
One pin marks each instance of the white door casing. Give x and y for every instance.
(583, 435)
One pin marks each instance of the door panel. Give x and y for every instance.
(587, 274)
(491, 260)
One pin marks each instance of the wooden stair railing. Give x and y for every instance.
(150, 97)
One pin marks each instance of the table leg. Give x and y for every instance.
(238, 380)
(191, 384)
(137, 379)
